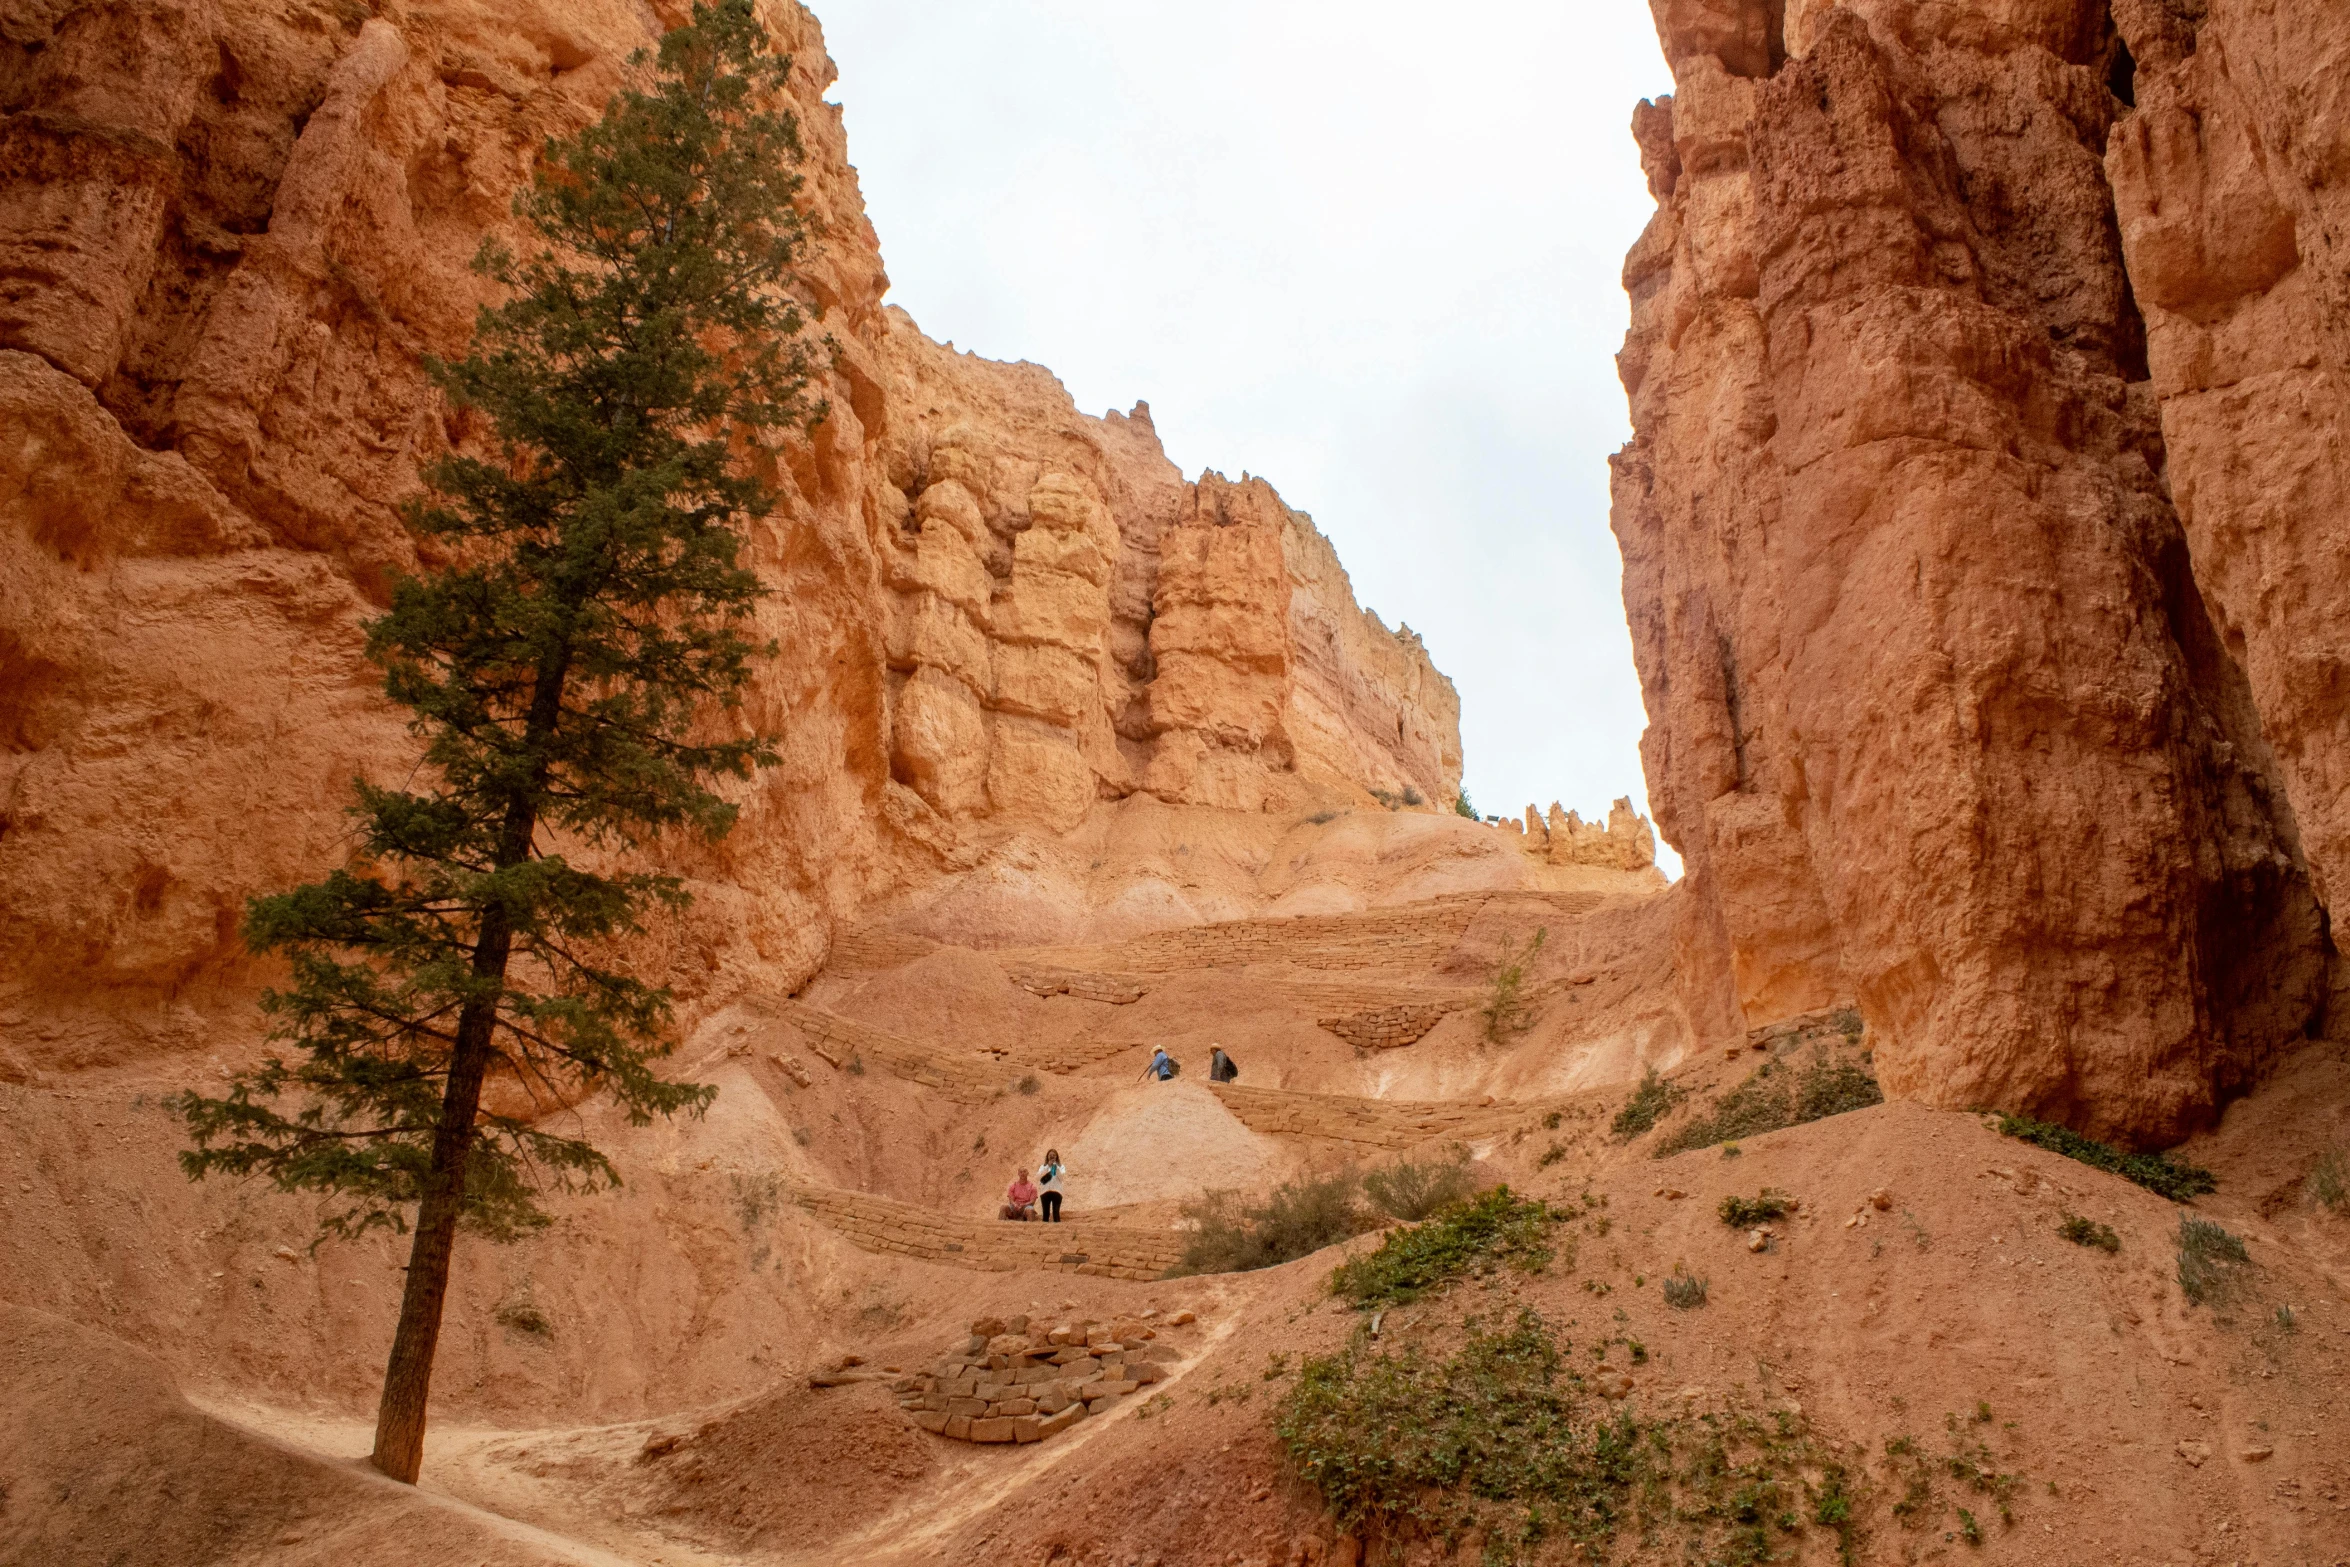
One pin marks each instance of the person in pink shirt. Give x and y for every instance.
(1020, 1201)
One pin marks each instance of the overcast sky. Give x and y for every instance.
(1366, 250)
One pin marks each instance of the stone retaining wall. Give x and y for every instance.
(891, 1228)
(1018, 1385)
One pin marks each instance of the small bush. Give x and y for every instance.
(1462, 807)
(1646, 1107)
(1028, 1084)
(2158, 1173)
(2088, 1232)
(1686, 1293)
(856, 1066)
(1412, 796)
(2329, 1180)
(1833, 1087)
(1506, 1012)
(1774, 1098)
(1298, 1219)
(1502, 1438)
(1322, 818)
(1411, 1191)
(524, 1316)
(1551, 1155)
(1498, 1227)
(1742, 1213)
(2211, 1261)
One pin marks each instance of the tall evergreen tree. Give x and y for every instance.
(561, 669)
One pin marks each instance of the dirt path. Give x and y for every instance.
(472, 1471)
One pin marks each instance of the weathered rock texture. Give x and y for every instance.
(1949, 714)
(1624, 842)
(230, 232)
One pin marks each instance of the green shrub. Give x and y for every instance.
(2329, 1180)
(1500, 1437)
(1685, 1293)
(2211, 1261)
(1506, 1012)
(2158, 1173)
(1774, 1097)
(1298, 1219)
(1462, 807)
(2088, 1232)
(1647, 1106)
(1497, 1227)
(1411, 1191)
(1832, 1088)
(1742, 1213)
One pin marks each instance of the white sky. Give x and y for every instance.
(1368, 250)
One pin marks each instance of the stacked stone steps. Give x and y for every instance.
(890, 1228)
(1010, 1384)
(969, 1077)
(1390, 1124)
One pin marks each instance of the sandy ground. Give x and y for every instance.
(183, 1380)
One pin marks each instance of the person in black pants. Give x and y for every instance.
(1220, 1067)
(1052, 1181)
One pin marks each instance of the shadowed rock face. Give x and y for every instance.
(229, 234)
(1948, 711)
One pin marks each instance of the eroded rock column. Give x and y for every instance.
(1938, 719)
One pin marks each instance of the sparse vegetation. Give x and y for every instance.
(1500, 1437)
(2212, 1262)
(1298, 1219)
(1648, 1105)
(1413, 1190)
(1462, 807)
(2329, 1180)
(1687, 1292)
(1322, 818)
(1774, 1097)
(1412, 796)
(2158, 1173)
(1506, 1012)
(2088, 1232)
(1498, 1227)
(1551, 1155)
(522, 1315)
(1742, 1213)
(1028, 1084)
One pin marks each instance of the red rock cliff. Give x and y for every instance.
(1991, 630)
(228, 234)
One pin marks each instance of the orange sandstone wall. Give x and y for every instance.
(1949, 712)
(229, 233)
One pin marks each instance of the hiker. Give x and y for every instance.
(1220, 1066)
(1163, 1066)
(1052, 1179)
(1020, 1201)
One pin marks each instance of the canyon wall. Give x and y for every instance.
(1982, 533)
(230, 233)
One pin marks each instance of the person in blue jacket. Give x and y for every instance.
(1163, 1066)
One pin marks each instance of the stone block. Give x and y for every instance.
(967, 1406)
(1102, 1405)
(997, 1430)
(1055, 1424)
(1052, 1402)
(1029, 1429)
(931, 1420)
(1015, 1406)
(958, 1427)
(1146, 1372)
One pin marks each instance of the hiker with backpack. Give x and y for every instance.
(1221, 1068)
(1163, 1066)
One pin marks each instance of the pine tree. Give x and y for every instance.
(566, 667)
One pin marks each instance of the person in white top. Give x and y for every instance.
(1052, 1180)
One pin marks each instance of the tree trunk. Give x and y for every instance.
(399, 1417)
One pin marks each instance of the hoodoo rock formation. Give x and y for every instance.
(230, 234)
(1982, 531)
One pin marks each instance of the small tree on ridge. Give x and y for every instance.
(592, 612)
